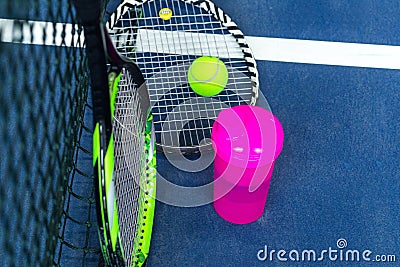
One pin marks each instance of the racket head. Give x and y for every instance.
(126, 198)
(164, 48)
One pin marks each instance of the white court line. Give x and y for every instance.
(326, 53)
(39, 33)
(264, 48)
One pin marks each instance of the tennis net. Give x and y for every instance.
(47, 205)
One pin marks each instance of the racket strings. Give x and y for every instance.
(164, 50)
(130, 162)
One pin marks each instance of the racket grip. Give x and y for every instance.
(89, 11)
(97, 62)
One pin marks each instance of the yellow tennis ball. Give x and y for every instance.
(165, 13)
(207, 76)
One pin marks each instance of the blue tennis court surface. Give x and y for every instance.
(337, 177)
(334, 198)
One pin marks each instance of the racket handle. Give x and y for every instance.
(97, 62)
(89, 11)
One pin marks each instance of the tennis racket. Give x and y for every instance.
(164, 37)
(123, 146)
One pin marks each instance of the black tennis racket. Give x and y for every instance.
(123, 145)
(164, 37)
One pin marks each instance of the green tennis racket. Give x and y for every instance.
(123, 146)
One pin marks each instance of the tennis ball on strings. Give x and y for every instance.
(207, 76)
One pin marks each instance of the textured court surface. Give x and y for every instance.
(337, 176)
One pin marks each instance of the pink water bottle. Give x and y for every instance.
(246, 140)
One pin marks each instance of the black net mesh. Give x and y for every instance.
(47, 206)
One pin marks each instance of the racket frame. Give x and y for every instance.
(103, 59)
